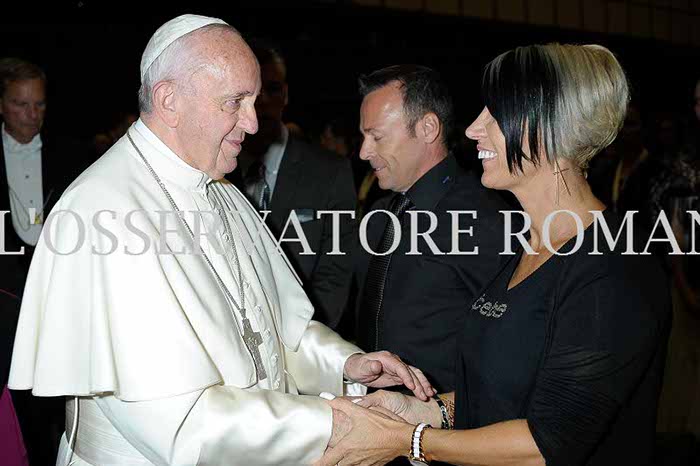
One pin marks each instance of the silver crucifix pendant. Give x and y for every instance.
(253, 340)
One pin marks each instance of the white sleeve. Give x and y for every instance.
(222, 426)
(317, 366)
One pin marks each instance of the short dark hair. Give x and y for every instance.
(571, 100)
(423, 91)
(16, 69)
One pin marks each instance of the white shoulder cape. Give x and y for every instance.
(139, 326)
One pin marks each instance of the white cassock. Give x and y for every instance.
(146, 339)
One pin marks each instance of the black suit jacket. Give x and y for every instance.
(61, 162)
(311, 179)
(427, 296)
(41, 418)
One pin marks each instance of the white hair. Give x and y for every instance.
(175, 63)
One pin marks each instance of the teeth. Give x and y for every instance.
(486, 154)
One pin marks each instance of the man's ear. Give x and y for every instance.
(164, 103)
(285, 90)
(429, 128)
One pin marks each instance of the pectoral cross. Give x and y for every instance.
(253, 340)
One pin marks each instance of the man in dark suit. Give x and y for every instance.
(34, 168)
(34, 171)
(281, 174)
(414, 300)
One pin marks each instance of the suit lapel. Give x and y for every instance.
(4, 188)
(46, 174)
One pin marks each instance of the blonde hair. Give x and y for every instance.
(570, 99)
(593, 102)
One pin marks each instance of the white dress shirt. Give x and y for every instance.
(23, 167)
(272, 159)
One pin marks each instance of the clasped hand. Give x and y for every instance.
(384, 369)
(375, 430)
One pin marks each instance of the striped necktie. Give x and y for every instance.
(373, 295)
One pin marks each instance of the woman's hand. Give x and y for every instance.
(374, 439)
(409, 408)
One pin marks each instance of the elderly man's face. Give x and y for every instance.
(23, 107)
(218, 110)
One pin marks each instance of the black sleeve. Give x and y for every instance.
(602, 338)
(331, 279)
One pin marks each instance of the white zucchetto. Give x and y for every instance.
(169, 33)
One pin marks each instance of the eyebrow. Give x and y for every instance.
(368, 130)
(27, 101)
(239, 94)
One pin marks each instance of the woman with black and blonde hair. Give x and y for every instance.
(561, 356)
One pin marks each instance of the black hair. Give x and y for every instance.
(521, 89)
(423, 91)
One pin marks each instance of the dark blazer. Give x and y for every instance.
(41, 418)
(311, 179)
(60, 164)
(427, 296)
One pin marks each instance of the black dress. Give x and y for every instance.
(576, 349)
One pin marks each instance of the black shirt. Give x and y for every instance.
(426, 295)
(577, 349)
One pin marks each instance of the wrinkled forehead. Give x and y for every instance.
(227, 59)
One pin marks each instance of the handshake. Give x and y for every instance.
(375, 429)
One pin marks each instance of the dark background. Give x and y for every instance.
(91, 52)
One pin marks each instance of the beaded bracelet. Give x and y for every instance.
(446, 424)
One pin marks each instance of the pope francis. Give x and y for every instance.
(159, 304)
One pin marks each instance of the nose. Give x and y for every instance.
(366, 151)
(477, 129)
(249, 121)
(33, 112)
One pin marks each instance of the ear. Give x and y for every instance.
(164, 100)
(429, 128)
(285, 94)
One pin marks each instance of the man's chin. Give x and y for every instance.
(229, 165)
(25, 137)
